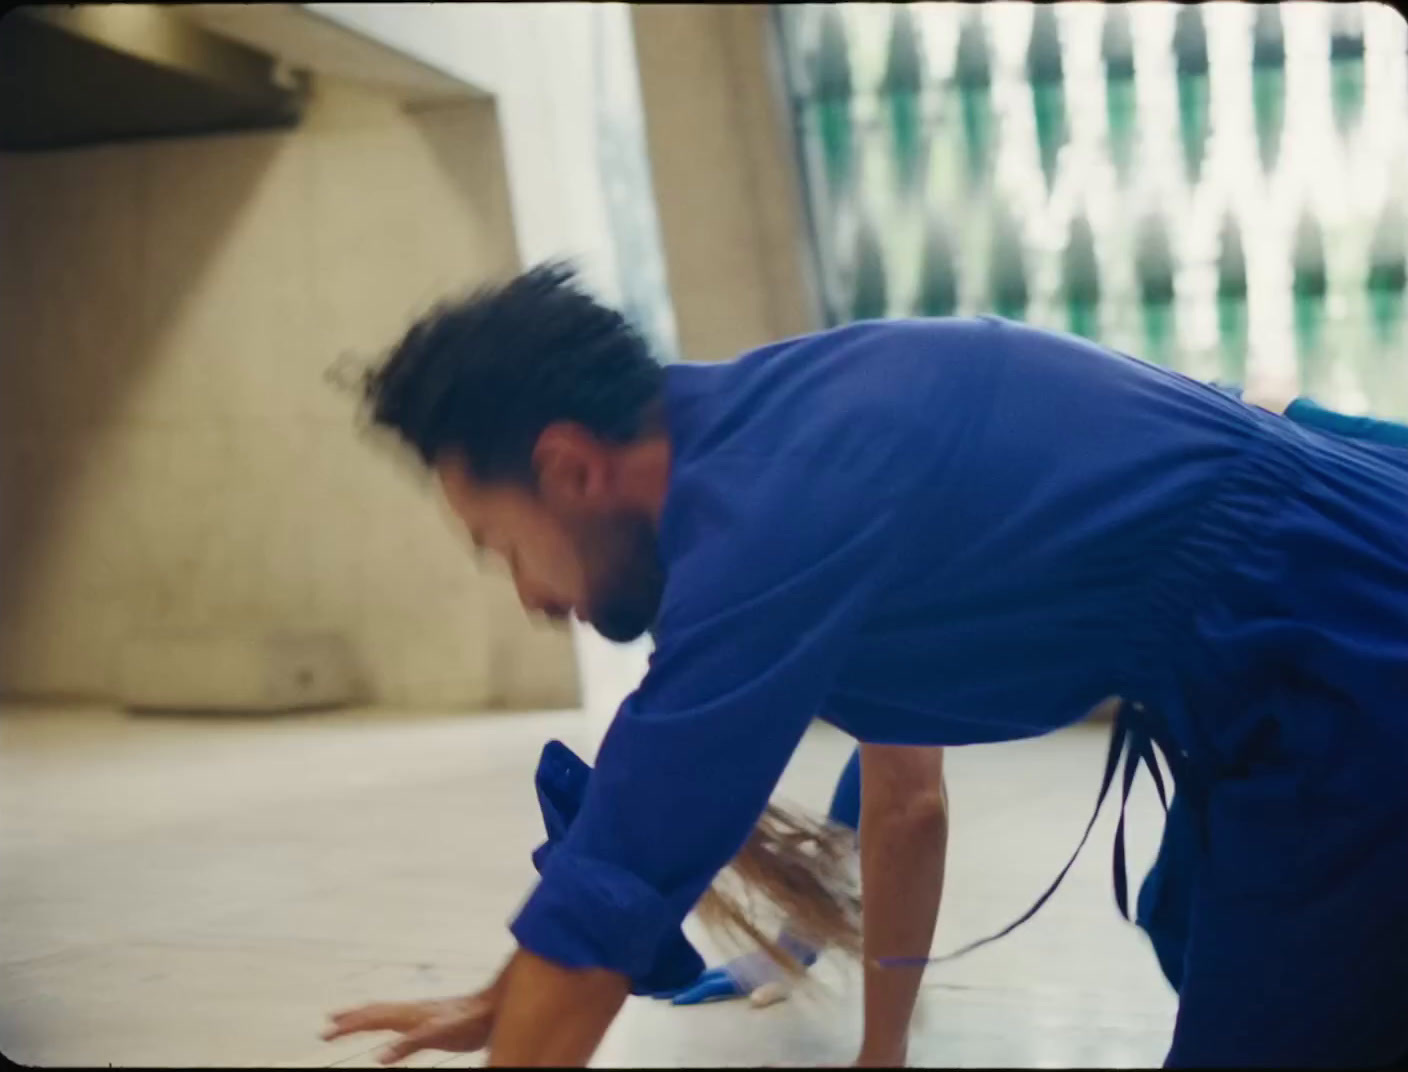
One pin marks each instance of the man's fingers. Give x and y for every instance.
(382, 1016)
(452, 1024)
(376, 1010)
(351, 1027)
(428, 1036)
(340, 1024)
(350, 1023)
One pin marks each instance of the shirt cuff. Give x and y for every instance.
(586, 913)
(541, 854)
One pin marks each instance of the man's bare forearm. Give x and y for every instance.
(549, 1015)
(903, 845)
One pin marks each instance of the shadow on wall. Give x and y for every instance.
(74, 354)
(186, 499)
(456, 133)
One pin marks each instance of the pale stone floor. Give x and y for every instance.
(202, 891)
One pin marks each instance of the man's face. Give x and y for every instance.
(570, 544)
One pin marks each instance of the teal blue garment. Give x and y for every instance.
(870, 521)
(1367, 429)
(1310, 414)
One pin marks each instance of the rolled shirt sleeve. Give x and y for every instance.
(767, 585)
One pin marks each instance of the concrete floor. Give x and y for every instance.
(203, 891)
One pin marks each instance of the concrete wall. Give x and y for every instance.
(174, 463)
(562, 78)
(729, 230)
(730, 217)
(725, 177)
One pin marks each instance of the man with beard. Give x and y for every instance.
(934, 533)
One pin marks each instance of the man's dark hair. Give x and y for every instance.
(486, 374)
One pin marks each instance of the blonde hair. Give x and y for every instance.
(800, 867)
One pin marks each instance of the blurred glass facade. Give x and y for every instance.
(627, 193)
(1221, 188)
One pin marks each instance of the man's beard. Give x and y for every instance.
(627, 578)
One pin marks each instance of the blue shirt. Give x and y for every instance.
(937, 532)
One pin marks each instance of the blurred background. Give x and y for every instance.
(244, 658)
(1215, 187)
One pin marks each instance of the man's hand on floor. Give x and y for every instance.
(457, 1025)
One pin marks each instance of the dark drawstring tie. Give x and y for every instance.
(1140, 749)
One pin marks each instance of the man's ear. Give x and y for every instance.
(572, 466)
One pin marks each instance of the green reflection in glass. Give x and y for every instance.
(1193, 115)
(1232, 332)
(1049, 103)
(976, 107)
(1120, 103)
(1044, 73)
(907, 136)
(1008, 277)
(1268, 83)
(1154, 268)
(938, 275)
(1084, 319)
(943, 140)
(1268, 37)
(1117, 48)
(1044, 46)
(1120, 106)
(945, 166)
(1308, 292)
(902, 87)
(1117, 43)
(870, 299)
(1347, 66)
(1232, 303)
(1190, 50)
(832, 82)
(1269, 103)
(1190, 40)
(1158, 322)
(1347, 85)
(973, 77)
(1388, 268)
(1082, 281)
(973, 67)
(1386, 308)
